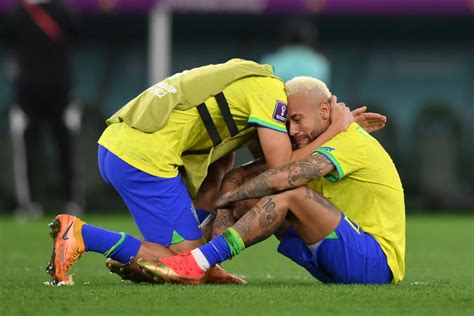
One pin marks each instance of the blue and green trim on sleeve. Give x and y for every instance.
(340, 173)
(262, 123)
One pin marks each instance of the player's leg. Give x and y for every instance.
(160, 207)
(256, 225)
(311, 215)
(346, 254)
(351, 255)
(191, 267)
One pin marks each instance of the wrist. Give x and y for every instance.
(335, 128)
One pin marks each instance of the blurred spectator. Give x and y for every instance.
(40, 36)
(298, 55)
(438, 134)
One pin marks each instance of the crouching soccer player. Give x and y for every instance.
(342, 207)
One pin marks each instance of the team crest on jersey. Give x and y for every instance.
(280, 112)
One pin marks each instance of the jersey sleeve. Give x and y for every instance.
(345, 151)
(268, 105)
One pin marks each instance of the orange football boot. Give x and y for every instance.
(68, 247)
(129, 272)
(218, 275)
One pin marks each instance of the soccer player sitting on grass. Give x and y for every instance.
(341, 209)
(162, 148)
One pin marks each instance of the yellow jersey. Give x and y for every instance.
(365, 185)
(253, 101)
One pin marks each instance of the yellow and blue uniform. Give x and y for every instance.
(144, 167)
(252, 102)
(365, 185)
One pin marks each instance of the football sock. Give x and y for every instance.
(221, 248)
(118, 246)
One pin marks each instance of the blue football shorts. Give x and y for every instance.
(161, 207)
(347, 255)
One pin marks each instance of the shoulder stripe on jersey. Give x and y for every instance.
(262, 123)
(225, 110)
(209, 124)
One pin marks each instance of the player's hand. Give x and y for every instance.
(341, 116)
(369, 121)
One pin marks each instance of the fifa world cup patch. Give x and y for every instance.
(281, 111)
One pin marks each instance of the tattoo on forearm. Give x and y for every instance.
(297, 173)
(304, 170)
(257, 187)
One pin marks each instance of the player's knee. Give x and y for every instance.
(293, 196)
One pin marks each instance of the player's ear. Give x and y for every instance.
(325, 110)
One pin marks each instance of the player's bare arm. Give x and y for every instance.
(233, 179)
(290, 176)
(238, 176)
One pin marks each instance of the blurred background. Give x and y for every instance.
(410, 60)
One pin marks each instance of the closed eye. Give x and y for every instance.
(296, 118)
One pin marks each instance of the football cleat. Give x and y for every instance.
(129, 272)
(68, 247)
(181, 269)
(218, 275)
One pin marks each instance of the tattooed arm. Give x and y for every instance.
(290, 176)
(226, 217)
(238, 176)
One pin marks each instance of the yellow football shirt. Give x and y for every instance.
(365, 185)
(253, 101)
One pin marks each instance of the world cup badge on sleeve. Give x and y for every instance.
(281, 111)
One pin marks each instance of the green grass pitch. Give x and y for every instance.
(439, 279)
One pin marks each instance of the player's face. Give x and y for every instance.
(305, 120)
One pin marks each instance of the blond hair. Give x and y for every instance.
(305, 83)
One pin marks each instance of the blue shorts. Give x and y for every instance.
(161, 207)
(347, 255)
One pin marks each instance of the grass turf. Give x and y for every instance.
(439, 280)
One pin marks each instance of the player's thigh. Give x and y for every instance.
(312, 215)
(161, 207)
(351, 255)
(163, 211)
